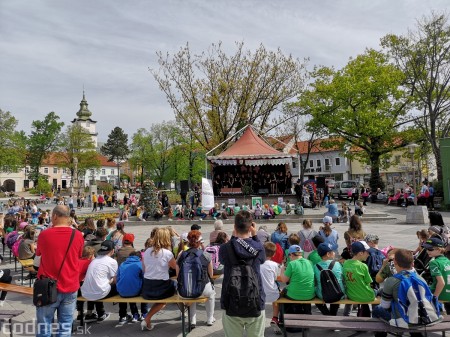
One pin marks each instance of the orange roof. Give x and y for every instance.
(250, 145)
(54, 158)
(303, 147)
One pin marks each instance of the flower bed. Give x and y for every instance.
(97, 216)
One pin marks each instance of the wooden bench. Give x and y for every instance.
(9, 315)
(182, 303)
(345, 323)
(26, 265)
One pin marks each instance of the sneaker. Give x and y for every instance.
(274, 323)
(210, 322)
(142, 317)
(125, 319)
(91, 317)
(104, 317)
(136, 318)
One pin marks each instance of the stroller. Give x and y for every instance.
(421, 265)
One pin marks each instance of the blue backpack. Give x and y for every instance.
(192, 278)
(375, 261)
(416, 304)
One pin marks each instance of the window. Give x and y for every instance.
(64, 171)
(311, 163)
(337, 161)
(103, 171)
(55, 170)
(112, 171)
(318, 163)
(327, 162)
(294, 164)
(46, 170)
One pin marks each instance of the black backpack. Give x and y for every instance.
(331, 290)
(192, 277)
(242, 293)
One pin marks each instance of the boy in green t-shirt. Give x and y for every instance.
(357, 277)
(314, 256)
(300, 275)
(440, 270)
(292, 240)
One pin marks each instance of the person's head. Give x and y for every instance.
(270, 248)
(307, 223)
(360, 250)
(153, 232)
(111, 223)
(242, 222)
(294, 239)
(120, 226)
(434, 246)
(128, 239)
(101, 233)
(331, 201)
(435, 219)
(72, 213)
(161, 240)
(172, 231)
(100, 223)
(282, 228)
(218, 225)
(88, 252)
(295, 252)
(422, 235)
(106, 248)
(263, 228)
(194, 239)
(325, 251)
(29, 232)
(317, 240)
(221, 238)
(60, 216)
(89, 223)
(403, 259)
(136, 253)
(435, 231)
(372, 240)
(195, 227)
(355, 223)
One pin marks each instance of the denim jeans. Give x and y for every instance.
(64, 307)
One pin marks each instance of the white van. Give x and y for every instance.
(341, 188)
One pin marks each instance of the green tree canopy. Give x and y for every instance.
(424, 57)
(116, 148)
(12, 143)
(361, 106)
(44, 139)
(215, 94)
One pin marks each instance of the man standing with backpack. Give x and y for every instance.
(243, 296)
(397, 294)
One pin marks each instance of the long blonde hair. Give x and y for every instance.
(161, 240)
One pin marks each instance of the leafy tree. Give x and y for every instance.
(116, 148)
(44, 139)
(77, 143)
(214, 94)
(424, 57)
(362, 107)
(140, 152)
(12, 143)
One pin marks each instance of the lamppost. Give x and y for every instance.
(412, 148)
(75, 174)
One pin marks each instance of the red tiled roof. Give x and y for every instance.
(54, 158)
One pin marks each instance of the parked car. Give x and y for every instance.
(341, 188)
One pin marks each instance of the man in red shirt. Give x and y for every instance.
(52, 246)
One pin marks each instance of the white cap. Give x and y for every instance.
(328, 219)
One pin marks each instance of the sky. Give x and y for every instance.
(51, 49)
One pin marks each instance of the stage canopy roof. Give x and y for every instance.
(251, 150)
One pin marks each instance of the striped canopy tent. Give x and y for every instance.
(251, 150)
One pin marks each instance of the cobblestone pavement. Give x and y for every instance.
(395, 232)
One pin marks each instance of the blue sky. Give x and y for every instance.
(50, 49)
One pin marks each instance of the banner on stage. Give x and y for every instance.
(280, 200)
(256, 200)
(207, 194)
(231, 202)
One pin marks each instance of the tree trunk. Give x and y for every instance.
(375, 181)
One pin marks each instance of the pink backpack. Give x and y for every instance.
(15, 247)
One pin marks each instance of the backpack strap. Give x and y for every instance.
(331, 266)
(319, 267)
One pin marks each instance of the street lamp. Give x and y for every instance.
(75, 174)
(412, 148)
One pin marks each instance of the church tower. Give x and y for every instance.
(84, 119)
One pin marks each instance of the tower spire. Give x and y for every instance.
(84, 112)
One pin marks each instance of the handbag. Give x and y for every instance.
(45, 288)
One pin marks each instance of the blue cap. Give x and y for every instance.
(323, 249)
(295, 249)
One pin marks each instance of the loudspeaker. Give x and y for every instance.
(320, 181)
(184, 184)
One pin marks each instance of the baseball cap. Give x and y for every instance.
(359, 246)
(106, 247)
(372, 237)
(432, 243)
(129, 237)
(435, 229)
(327, 219)
(23, 225)
(295, 249)
(195, 227)
(323, 249)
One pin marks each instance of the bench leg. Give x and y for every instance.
(283, 327)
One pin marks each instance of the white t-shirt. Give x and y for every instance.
(269, 273)
(157, 266)
(100, 271)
